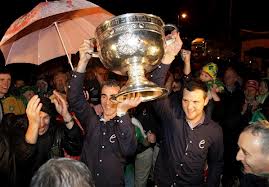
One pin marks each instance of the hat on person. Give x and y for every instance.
(252, 84)
(47, 106)
(211, 69)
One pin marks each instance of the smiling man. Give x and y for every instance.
(110, 137)
(5, 81)
(254, 150)
(191, 140)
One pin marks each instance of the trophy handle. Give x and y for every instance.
(168, 28)
(95, 52)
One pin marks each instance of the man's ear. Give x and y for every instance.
(206, 100)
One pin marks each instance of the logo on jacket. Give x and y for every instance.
(112, 137)
(202, 144)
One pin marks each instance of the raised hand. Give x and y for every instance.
(185, 55)
(132, 100)
(32, 111)
(85, 54)
(60, 103)
(172, 48)
(62, 107)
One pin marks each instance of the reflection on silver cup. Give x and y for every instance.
(132, 45)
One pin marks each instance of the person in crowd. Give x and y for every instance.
(190, 138)
(15, 88)
(26, 93)
(109, 138)
(8, 103)
(228, 114)
(139, 165)
(7, 155)
(251, 91)
(96, 74)
(59, 83)
(263, 91)
(42, 87)
(44, 138)
(261, 101)
(253, 153)
(250, 107)
(62, 172)
(144, 113)
(209, 76)
(214, 85)
(5, 81)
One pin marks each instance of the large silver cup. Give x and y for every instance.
(132, 44)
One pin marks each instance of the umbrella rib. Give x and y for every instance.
(11, 48)
(83, 28)
(38, 48)
(69, 60)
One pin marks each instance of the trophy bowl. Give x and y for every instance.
(132, 45)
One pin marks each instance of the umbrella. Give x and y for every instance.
(51, 29)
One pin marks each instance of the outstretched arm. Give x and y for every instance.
(75, 95)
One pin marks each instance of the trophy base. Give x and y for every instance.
(148, 92)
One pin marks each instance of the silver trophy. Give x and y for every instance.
(132, 44)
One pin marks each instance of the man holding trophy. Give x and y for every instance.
(134, 44)
(128, 45)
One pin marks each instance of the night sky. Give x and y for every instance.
(219, 20)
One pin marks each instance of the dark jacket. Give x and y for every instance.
(30, 157)
(106, 145)
(185, 151)
(7, 161)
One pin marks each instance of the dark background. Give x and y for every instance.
(218, 20)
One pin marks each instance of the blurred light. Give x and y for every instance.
(218, 57)
(184, 15)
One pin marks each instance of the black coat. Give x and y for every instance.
(29, 157)
(106, 144)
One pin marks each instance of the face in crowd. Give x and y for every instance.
(193, 103)
(60, 82)
(263, 88)
(109, 107)
(205, 77)
(230, 77)
(5, 81)
(45, 121)
(251, 155)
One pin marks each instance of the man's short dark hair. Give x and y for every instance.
(110, 83)
(260, 128)
(196, 85)
(4, 70)
(62, 172)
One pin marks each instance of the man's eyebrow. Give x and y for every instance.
(244, 151)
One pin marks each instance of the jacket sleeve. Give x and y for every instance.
(73, 140)
(23, 150)
(163, 106)
(78, 103)
(126, 135)
(215, 159)
(158, 75)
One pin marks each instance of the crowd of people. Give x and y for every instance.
(67, 130)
